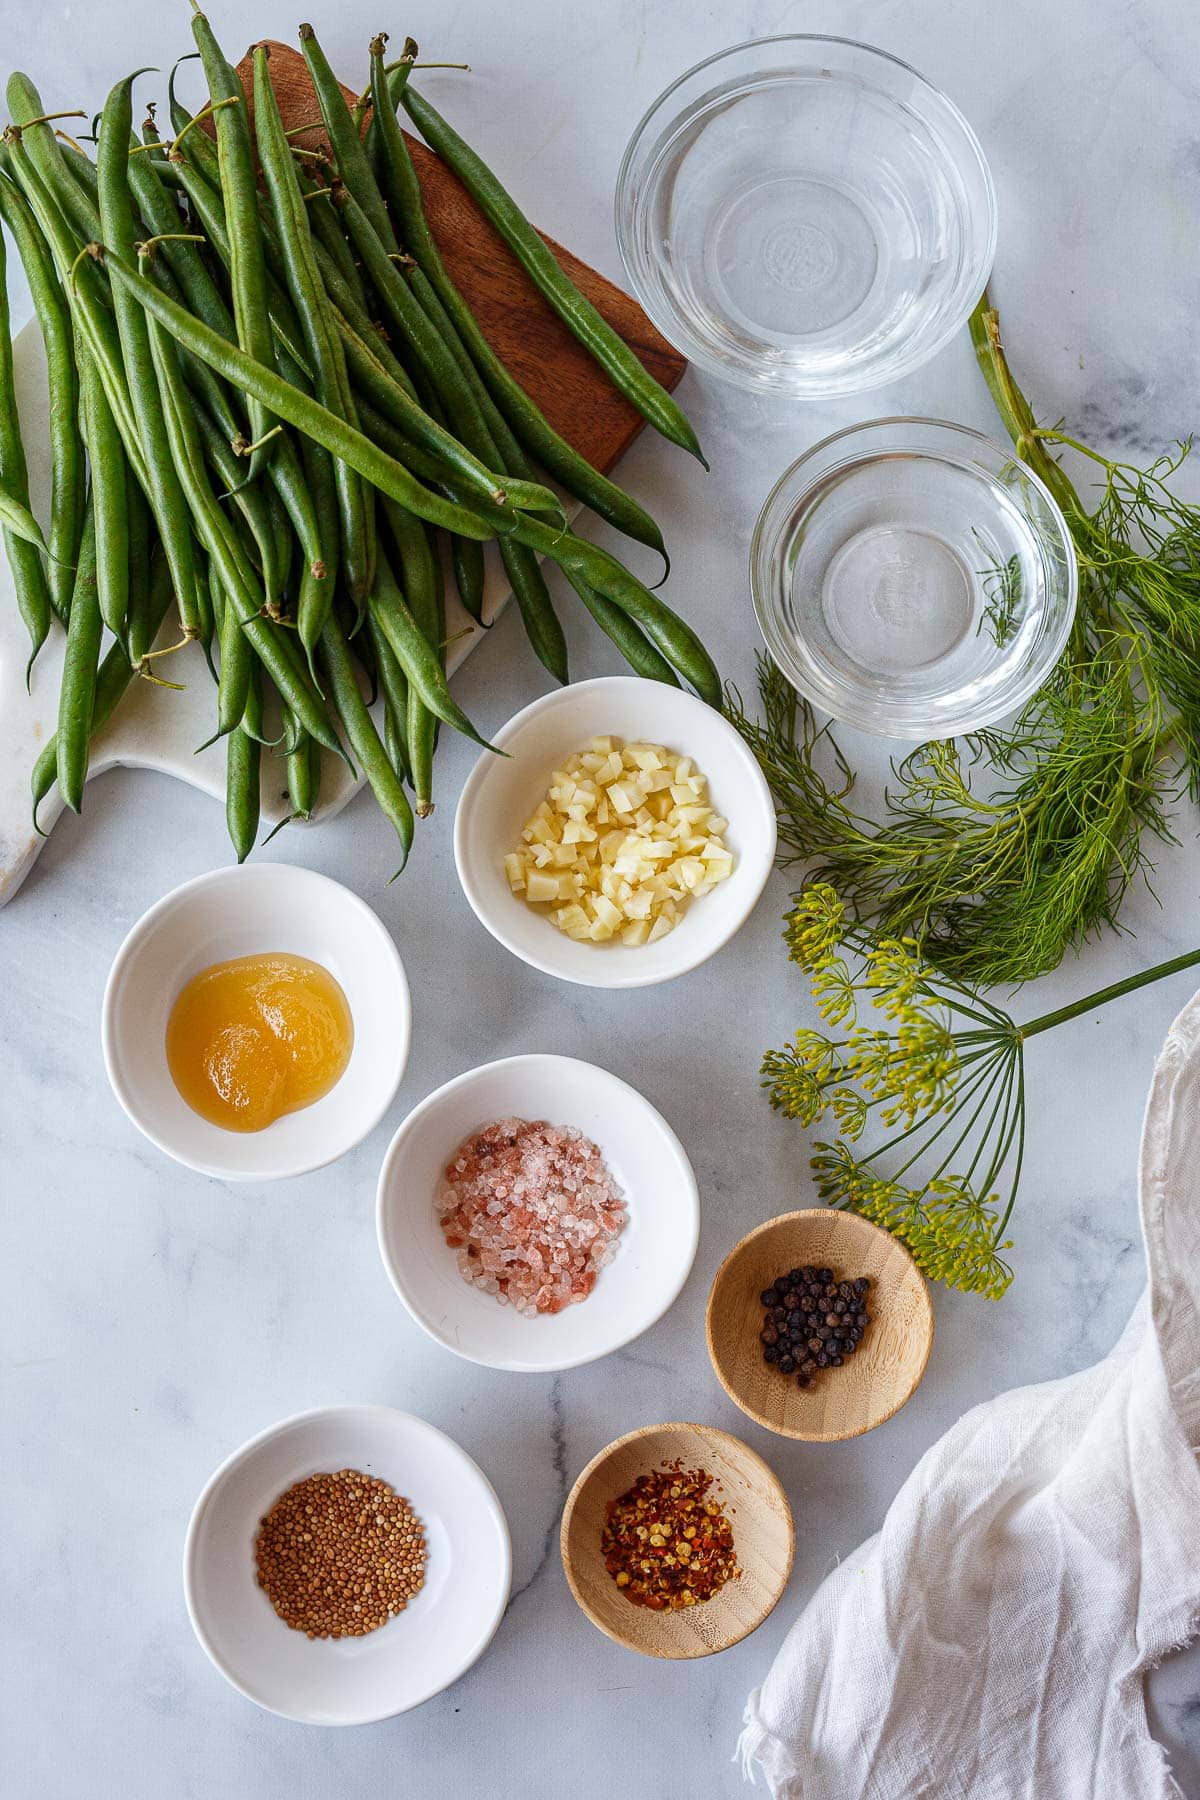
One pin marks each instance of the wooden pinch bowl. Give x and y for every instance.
(763, 1539)
(872, 1384)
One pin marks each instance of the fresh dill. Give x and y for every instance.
(1001, 584)
(1000, 851)
(938, 1067)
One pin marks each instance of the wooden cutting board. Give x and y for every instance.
(155, 728)
(553, 367)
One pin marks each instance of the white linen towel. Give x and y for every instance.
(989, 1642)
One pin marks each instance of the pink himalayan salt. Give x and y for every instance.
(532, 1213)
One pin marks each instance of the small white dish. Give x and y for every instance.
(239, 912)
(501, 792)
(654, 1252)
(349, 1681)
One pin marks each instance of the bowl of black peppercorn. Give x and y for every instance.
(819, 1325)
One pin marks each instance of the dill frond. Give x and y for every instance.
(1002, 851)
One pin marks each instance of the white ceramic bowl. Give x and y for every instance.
(350, 1681)
(646, 1160)
(237, 912)
(501, 792)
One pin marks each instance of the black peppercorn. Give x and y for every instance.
(812, 1321)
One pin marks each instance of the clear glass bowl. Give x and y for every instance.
(806, 214)
(913, 578)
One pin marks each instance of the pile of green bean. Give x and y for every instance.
(269, 406)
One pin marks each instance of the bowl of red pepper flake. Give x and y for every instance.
(677, 1540)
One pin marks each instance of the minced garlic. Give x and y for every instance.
(623, 840)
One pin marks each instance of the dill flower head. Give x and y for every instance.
(928, 1059)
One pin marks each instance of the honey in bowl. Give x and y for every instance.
(252, 1039)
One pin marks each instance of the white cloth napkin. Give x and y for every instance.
(989, 1642)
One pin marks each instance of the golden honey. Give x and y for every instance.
(252, 1039)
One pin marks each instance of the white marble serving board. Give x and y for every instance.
(153, 727)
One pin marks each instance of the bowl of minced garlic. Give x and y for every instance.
(621, 839)
(677, 1540)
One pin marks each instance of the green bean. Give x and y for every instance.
(250, 499)
(252, 715)
(190, 271)
(141, 624)
(77, 693)
(328, 232)
(601, 571)
(110, 501)
(625, 633)
(393, 686)
(613, 354)
(69, 481)
(237, 661)
(243, 788)
(421, 582)
(239, 192)
(304, 776)
(379, 378)
(416, 656)
(345, 141)
(269, 644)
(206, 203)
(308, 297)
(284, 470)
(37, 165)
(299, 409)
(282, 536)
(163, 489)
(204, 614)
(438, 362)
(592, 565)
(538, 437)
(532, 596)
(115, 674)
(362, 735)
(26, 110)
(466, 559)
(24, 558)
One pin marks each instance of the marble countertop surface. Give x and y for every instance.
(154, 1319)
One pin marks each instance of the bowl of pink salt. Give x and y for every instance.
(536, 1213)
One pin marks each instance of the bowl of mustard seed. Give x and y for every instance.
(346, 1565)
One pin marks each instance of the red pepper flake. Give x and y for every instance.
(666, 1542)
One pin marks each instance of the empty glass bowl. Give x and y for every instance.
(806, 214)
(913, 578)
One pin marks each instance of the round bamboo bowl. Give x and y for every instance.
(763, 1539)
(871, 1385)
